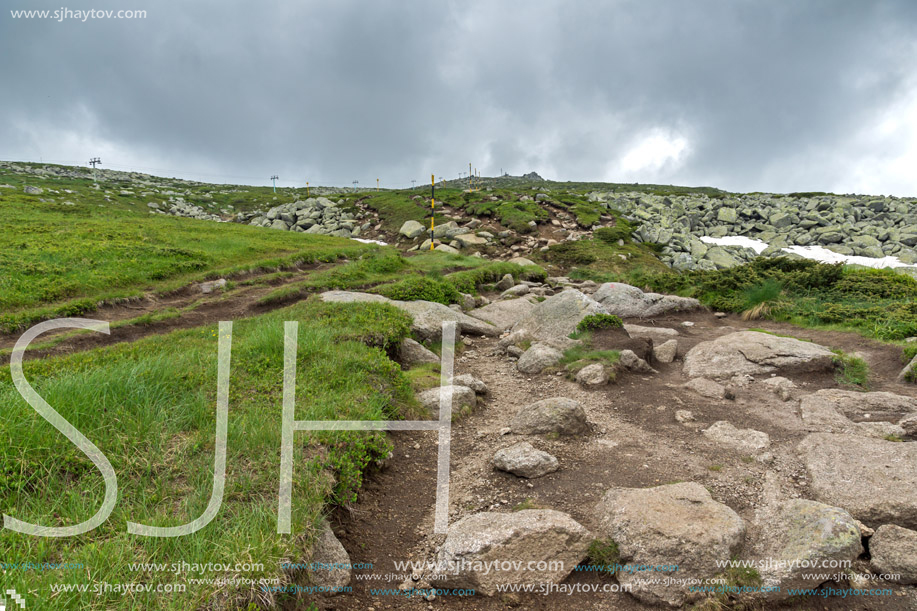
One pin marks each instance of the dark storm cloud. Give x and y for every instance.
(743, 95)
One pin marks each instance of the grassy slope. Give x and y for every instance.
(149, 406)
(60, 260)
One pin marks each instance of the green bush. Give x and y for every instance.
(596, 322)
(610, 235)
(415, 288)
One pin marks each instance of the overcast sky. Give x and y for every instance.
(776, 95)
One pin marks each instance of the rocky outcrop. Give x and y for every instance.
(524, 460)
(628, 301)
(748, 441)
(558, 315)
(557, 415)
(539, 537)
(504, 314)
(873, 479)
(751, 352)
(857, 405)
(314, 215)
(676, 524)
(820, 414)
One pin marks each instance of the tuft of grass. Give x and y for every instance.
(851, 370)
(892, 438)
(715, 468)
(527, 504)
(604, 553)
(597, 322)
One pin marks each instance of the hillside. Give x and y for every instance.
(738, 401)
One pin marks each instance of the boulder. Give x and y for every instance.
(630, 361)
(780, 386)
(676, 524)
(751, 352)
(875, 480)
(707, 388)
(628, 301)
(666, 351)
(536, 537)
(469, 239)
(538, 358)
(524, 460)
(504, 314)
(334, 571)
(798, 535)
(506, 282)
(475, 384)
(521, 261)
(411, 352)
(462, 396)
(820, 415)
(555, 415)
(748, 441)
(894, 552)
(33, 190)
(855, 404)
(657, 334)
(558, 315)
(411, 229)
(446, 248)
(592, 375)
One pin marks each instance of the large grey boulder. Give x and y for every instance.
(504, 314)
(428, 317)
(857, 405)
(538, 537)
(411, 352)
(819, 412)
(666, 351)
(628, 301)
(558, 315)
(592, 375)
(675, 524)
(411, 229)
(798, 535)
(894, 552)
(751, 352)
(749, 441)
(524, 460)
(707, 388)
(875, 480)
(538, 358)
(462, 396)
(335, 570)
(555, 415)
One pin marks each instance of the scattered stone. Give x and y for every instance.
(462, 396)
(910, 368)
(894, 552)
(411, 352)
(555, 415)
(209, 287)
(33, 190)
(749, 441)
(675, 524)
(524, 460)
(798, 535)
(751, 352)
(540, 537)
(475, 384)
(328, 551)
(684, 416)
(538, 358)
(516, 291)
(628, 301)
(875, 480)
(521, 261)
(592, 375)
(630, 361)
(665, 352)
(707, 388)
(780, 386)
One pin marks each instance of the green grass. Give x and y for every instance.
(604, 553)
(580, 356)
(60, 260)
(597, 322)
(876, 303)
(149, 407)
(851, 370)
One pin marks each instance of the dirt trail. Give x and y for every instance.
(635, 442)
